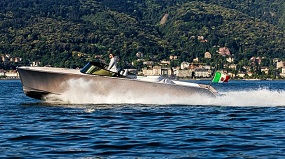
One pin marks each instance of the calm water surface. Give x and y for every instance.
(247, 122)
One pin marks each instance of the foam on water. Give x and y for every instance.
(80, 92)
(260, 97)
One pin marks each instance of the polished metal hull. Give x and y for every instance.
(40, 81)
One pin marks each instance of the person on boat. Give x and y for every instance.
(113, 63)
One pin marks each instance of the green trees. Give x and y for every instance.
(50, 31)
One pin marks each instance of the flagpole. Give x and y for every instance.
(212, 79)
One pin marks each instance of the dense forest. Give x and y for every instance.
(55, 32)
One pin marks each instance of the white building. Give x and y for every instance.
(202, 72)
(279, 64)
(184, 65)
(184, 73)
(35, 64)
(207, 55)
(230, 59)
(282, 74)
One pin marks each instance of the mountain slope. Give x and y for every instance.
(224, 27)
(54, 31)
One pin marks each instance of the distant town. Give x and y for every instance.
(196, 69)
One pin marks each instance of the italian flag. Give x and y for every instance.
(220, 77)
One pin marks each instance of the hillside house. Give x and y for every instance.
(148, 63)
(265, 70)
(279, 64)
(241, 74)
(196, 59)
(173, 57)
(224, 51)
(207, 55)
(230, 59)
(233, 66)
(184, 65)
(282, 73)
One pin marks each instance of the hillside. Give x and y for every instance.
(53, 31)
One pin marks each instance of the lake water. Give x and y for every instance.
(248, 121)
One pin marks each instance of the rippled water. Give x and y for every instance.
(247, 122)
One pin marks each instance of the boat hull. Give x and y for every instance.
(40, 81)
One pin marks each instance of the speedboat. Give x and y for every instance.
(39, 82)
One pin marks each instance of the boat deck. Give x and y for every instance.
(54, 69)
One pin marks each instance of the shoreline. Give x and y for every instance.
(10, 79)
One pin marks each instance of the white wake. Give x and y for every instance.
(261, 97)
(80, 93)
